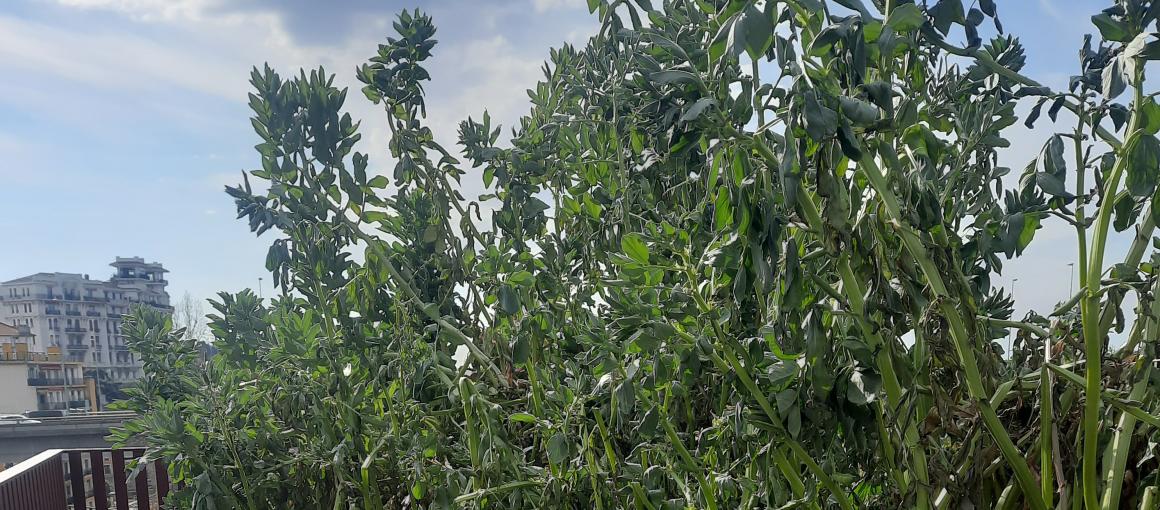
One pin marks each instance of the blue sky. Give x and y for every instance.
(121, 120)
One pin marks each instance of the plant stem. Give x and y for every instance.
(1093, 333)
(959, 335)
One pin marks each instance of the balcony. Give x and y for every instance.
(74, 313)
(93, 313)
(58, 480)
(46, 381)
(51, 311)
(123, 348)
(75, 330)
(77, 347)
(95, 299)
(113, 315)
(29, 356)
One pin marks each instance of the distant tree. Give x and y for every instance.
(189, 316)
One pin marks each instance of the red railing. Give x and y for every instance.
(96, 479)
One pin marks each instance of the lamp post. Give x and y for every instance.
(260, 288)
(1011, 335)
(1071, 279)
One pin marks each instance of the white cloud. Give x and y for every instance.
(147, 10)
(547, 5)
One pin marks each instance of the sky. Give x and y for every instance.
(122, 120)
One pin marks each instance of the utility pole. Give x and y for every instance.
(260, 296)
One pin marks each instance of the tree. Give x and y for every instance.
(188, 314)
(752, 204)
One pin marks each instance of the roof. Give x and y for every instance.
(6, 330)
(47, 276)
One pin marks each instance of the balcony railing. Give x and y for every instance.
(46, 381)
(78, 404)
(78, 347)
(59, 480)
(93, 313)
(51, 311)
(74, 313)
(74, 330)
(29, 356)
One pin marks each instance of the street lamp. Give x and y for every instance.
(1071, 279)
(1011, 334)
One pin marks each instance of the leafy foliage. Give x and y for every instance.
(741, 255)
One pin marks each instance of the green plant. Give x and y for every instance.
(741, 256)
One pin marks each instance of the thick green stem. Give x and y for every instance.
(1122, 438)
(1093, 332)
(959, 334)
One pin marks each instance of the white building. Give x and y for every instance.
(39, 381)
(82, 316)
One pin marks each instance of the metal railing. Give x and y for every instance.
(28, 356)
(46, 381)
(83, 479)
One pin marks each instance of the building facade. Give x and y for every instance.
(80, 317)
(39, 381)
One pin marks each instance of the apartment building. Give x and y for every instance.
(80, 317)
(39, 381)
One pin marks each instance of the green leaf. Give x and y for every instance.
(378, 182)
(1113, 83)
(509, 300)
(851, 147)
(1111, 29)
(634, 247)
(697, 108)
(522, 278)
(558, 449)
(648, 424)
(1150, 116)
(821, 123)
(859, 112)
(674, 77)
(1125, 211)
(1052, 157)
(522, 418)
(1155, 209)
(723, 210)
(1051, 184)
(1143, 165)
(905, 17)
(758, 28)
(794, 423)
(863, 387)
(1030, 225)
(522, 350)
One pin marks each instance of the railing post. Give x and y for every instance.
(119, 485)
(76, 471)
(100, 490)
(162, 474)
